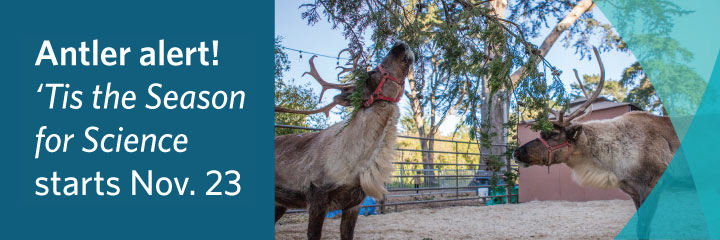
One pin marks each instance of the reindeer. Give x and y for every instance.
(629, 152)
(337, 167)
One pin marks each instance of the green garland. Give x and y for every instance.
(360, 77)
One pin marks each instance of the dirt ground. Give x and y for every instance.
(533, 220)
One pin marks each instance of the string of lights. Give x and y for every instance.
(315, 54)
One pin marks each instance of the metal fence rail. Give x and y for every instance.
(447, 179)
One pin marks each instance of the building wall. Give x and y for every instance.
(535, 183)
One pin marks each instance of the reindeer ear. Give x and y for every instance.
(367, 91)
(573, 131)
(343, 99)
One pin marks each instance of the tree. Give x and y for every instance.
(654, 47)
(429, 93)
(643, 95)
(293, 96)
(451, 40)
(481, 52)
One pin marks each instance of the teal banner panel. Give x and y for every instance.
(195, 165)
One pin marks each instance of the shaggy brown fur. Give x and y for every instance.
(629, 152)
(335, 168)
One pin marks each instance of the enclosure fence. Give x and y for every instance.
(458, 174)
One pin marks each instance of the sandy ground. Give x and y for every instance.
(534, 220)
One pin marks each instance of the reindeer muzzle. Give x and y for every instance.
(378, 95)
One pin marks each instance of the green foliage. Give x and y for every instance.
(465, 54)
(359, 77)
(654, 47)
(300, 97)
(282, 63)
(290, 95)
(407, 124)
(456, 36)
(643, 95)
(464, 48)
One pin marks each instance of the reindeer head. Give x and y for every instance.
(555, 146)
(384, 83)
(387, 80)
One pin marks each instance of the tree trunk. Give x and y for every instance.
(419, 118)
(493, 107)
(494, 114)
(433, 180)
(493, 110)
(426, 146)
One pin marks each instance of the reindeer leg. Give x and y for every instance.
(637, 201)
(649, 210)
(347, 224)
(279, 212)
(318, 201)
(650, 207)
(317, 213)
(629, 188)
(646, 216)
(632, 189)
(642, 228)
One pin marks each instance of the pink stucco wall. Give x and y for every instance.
(536, 184)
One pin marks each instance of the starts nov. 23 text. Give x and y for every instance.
(141, 184)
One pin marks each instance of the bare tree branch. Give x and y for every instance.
(581, 7)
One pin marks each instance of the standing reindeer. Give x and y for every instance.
(334, 169)
(629, 152)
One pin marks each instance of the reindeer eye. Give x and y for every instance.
(549, 135)
(545, 135)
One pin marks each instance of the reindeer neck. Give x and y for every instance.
(376, 117)
(590, 167)
(581, 154)
(372, 127)
(365, 144)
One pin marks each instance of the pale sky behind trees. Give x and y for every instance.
(321, 38)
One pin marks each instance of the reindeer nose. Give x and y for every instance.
(403, 51)
(400, 44)
(400, 48)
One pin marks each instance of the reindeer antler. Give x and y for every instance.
(558, 114)
(583, 111)
(590, 99)
(325, 85)
(354, 60)
(587, 97)
(339, 99)
(326, 109)
(580, 82)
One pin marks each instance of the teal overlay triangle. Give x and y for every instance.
(678, 50)
(700, 143)
(672, 210)
(671, 41)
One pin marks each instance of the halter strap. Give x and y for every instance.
(551, 149)
(377, 94)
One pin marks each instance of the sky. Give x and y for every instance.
(321, 38)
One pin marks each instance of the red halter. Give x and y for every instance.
(377, 94)
(551, 149)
